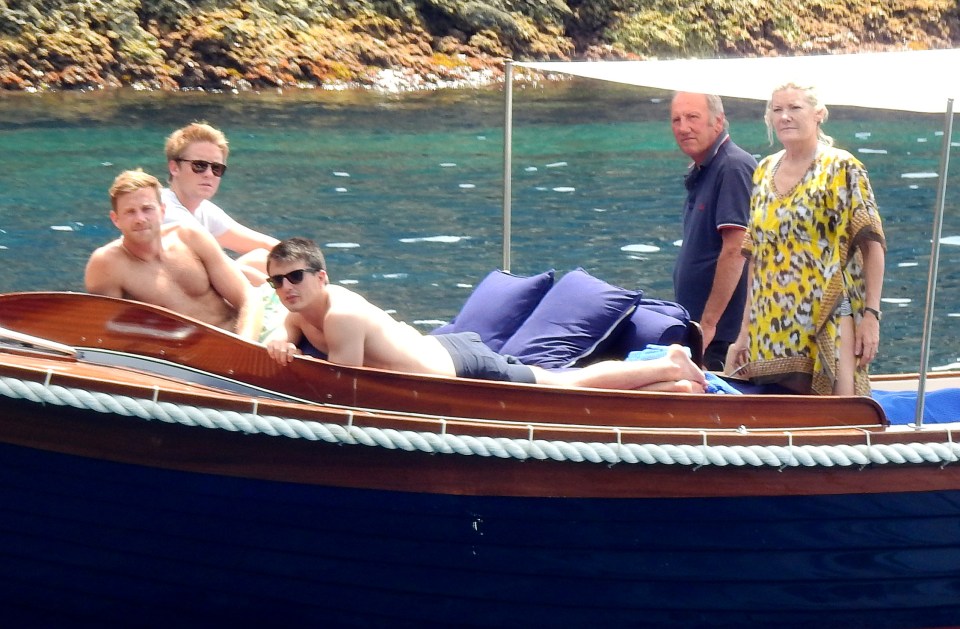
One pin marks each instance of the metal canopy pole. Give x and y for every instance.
(934, 261)
(507, 160)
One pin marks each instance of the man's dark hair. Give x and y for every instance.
(293, 249)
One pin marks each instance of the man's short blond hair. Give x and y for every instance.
(131, 181)
(179, 140)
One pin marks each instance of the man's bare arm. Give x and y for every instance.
(345, 334)
(227, 280)
(282, 342)
(725, 280)
(99, 277)
(242, 239)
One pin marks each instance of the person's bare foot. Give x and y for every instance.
(677, 355)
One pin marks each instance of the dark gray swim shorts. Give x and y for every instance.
(473, 359)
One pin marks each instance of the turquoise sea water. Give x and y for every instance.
(405, 192)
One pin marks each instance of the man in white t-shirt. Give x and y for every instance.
(196, 161)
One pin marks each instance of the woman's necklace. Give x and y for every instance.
(793, 188)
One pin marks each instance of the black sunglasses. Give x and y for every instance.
(294, 277)
(200, 165)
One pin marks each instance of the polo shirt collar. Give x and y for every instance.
(695, 169)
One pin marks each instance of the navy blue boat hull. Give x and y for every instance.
(90, 541)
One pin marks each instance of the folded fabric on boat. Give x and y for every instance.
(939, 407)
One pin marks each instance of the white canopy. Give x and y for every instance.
(920, 81)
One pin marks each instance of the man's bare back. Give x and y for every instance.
(352, 331)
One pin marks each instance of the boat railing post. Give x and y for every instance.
(507, 159)
(934, 261)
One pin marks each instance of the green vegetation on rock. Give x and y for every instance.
(254, 44)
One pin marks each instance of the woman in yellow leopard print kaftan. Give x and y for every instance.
(815, 247)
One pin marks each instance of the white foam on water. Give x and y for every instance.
(467, 186)
(108, 164)
(341, 245)
(348, 282)
(447, 165)
(481, 137)
(531, 169)
(918, 175)
(434, 323)
(677, 243)
(906, 264)
(340, 173)
(62, 228)
(599, 209)
(640, 248)
(897, 301)
(540, 188)
(873, 151)
(913, 186)
(339, 189)
(462, 285)
(939, 134)
(953, 314)
(921, 139)
(656, 100)
(556, 165)
(862, 135)
(3, 247)
(564, 189)
(447, 239)
(393, 276)
(950, 240)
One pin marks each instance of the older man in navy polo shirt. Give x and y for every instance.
(709, 278)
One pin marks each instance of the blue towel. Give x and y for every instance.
(715, 384)
(939, 407)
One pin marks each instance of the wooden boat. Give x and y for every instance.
(157, 471)
(154, 469)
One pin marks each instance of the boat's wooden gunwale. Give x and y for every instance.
(101, 322)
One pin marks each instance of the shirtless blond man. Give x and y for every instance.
(178, 266)
(352, 331)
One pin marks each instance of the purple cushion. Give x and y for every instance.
(670, 308)
(499, 304)
(648, 325)
(578, 314)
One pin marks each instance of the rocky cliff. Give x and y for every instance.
(402, 44)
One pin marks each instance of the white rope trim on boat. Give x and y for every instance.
(444, 442)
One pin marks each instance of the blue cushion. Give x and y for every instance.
(499, 305)
(578, 314)
(670, 308)
(648, 325)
